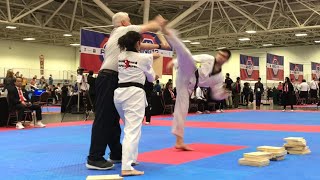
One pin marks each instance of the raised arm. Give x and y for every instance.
(147, 67)
(153, 25)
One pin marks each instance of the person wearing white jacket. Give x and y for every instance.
(130, 98)
(189, 76)
(314, 88)
(304, 89)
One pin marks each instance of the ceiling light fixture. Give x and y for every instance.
(244, 39)
(251, 32)
(317, 41)
(11, 27)
(186, 41)
(67, 35)
(301, 34)
(195, 43)
(29, 39)
(221, 48)
(75, 44)
(266, 45)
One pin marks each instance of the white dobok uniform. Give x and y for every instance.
(186, 80)
(131, 101)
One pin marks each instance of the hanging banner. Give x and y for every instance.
(92, 50)
(93, 44)
(315, 70)
(41, 59)
(275, 68)
(249, 68)
(160, 64)
(296, 72)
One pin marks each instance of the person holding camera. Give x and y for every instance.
(19, 101)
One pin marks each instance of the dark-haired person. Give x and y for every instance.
(8, 82)
(228, 81)
(19, 101)
(106, 130)
(130, 98)
(303, 89)
(287, 95)
(314, 88)
(236, 91)
(258, 90)
(189, 76)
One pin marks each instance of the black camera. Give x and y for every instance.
(80, 71)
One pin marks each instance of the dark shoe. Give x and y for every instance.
(114, 161)
(99, 165)
(119, 161)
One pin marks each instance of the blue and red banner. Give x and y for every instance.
(93, 45)
(249, 68)
(275, 68)
(160, 64)
(92, 49)
(296, 72)
(315, 70)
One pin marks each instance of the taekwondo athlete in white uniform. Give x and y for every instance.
(189, 76)
(130, 97)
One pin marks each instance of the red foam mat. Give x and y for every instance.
(243, 126)
(63, 124)
(175, 157)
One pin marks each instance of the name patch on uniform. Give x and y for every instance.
(127, 64)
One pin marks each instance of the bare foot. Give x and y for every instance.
(183, 147)
(131, 173)
(180, 143)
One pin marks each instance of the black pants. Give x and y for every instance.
(106, 130)
(246, 99)
(203, 104)
(287, 99)
(258, 99)
(21, 108)
(92, 98)
(313, 93)
(304, 94)
(236, 100)
(220, 104)
(148, 110)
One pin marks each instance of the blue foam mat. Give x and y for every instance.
(60, 153)
(305, 118)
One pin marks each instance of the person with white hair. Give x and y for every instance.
(106, 130)
(189, 76)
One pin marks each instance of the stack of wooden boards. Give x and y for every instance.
(256, 159)
(296, 145)
(278, 153)
(105, 177)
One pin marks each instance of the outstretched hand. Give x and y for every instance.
(160, 20)
(155, 55)
(165, 46)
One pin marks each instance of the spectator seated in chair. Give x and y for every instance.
(168, 95)
(199, 98)
(19, 101)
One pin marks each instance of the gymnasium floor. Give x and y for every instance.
(59, 151)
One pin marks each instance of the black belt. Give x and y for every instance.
(108, 71)
(129, 84)
(196, 73)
